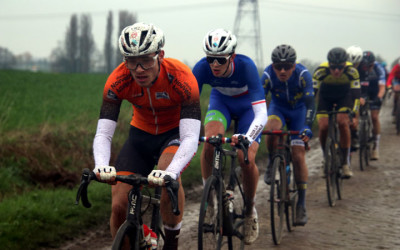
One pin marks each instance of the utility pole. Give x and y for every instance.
(248, 32)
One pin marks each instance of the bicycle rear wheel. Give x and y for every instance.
(277, 199)
(210, 228)
(330, 171)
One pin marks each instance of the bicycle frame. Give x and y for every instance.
(133, 225)
(228, 222)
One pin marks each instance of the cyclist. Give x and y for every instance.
(337, 82)
(292, 95)
(166, 112)
(236, 92)
(393, 82)
(354, 55)
(372, 80)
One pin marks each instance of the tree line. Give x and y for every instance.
(78, 52)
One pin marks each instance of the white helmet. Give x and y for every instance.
(219, 42)
(354, 54)
(140, 39)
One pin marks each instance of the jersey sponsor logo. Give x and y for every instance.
(183, 89)
(111, 95)
(121, 83)
(364, 83)
(162, 95)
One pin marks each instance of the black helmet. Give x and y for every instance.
(283, 53)
(368, 57)
(337, 56)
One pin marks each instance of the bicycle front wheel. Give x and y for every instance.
(330, 171)
(210, 228)
(277, 199)
(290, 206)
(364, 148)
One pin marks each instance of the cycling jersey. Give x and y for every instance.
(292, 100)
(370, 80)
(394, 76)
(332, 90)
(242, 89)
(155, 109)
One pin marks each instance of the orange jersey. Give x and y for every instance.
(155, 109)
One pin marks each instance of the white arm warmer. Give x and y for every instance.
(189, 132)
(260, 119)
(102, 142)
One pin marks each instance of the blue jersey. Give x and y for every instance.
(243, 81)
(289, 94)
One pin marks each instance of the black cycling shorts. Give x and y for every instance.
(326, 104)
(142, 150)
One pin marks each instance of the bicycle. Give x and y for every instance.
(283, 191)
(222, 208)
(333, 158)
(132, 228)
(365, 135)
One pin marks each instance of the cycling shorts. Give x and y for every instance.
(142, 150)
(295, 119)
(326, 104)
(224, 109)
(375, 103)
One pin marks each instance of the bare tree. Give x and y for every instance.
(7, 59)
(108, 47)
(125, 19)
(71, 45)
(86, 44)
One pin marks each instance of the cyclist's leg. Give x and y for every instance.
(297, 121)
(323, 106)
(274, 122)
(344, 130)
(216, 121)
(172, 223)
(376, 127)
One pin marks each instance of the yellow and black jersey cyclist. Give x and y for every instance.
(337, 82)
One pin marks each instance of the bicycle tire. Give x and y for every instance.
(290, 206)
(330, 171)
(363, 144)
(126, 230)
(210, 233)
(338, 170)
(238, 212)
(277, 199)
(397, 114)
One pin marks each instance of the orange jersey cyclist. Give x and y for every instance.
(236, 92)
(165, 124)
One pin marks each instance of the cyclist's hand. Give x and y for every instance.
(306, 134)
(235, 139)
(156, 177)
(105, 174)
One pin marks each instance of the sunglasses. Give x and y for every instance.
(220, 60)
(132, 63)
(280, 66)
(334, 67)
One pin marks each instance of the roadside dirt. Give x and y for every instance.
(368, 216)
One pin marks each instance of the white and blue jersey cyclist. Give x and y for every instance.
(240, 96)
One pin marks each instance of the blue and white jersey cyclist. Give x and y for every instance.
(292, 104)
(236, 93)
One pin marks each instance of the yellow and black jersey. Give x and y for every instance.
(335, 88)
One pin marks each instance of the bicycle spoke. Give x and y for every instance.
(330, 171)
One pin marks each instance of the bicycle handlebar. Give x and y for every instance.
(218, 140)
(285, 132)
(171, 185)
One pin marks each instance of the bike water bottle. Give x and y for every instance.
(288, 173)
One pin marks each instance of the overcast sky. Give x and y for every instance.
(312, 27)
